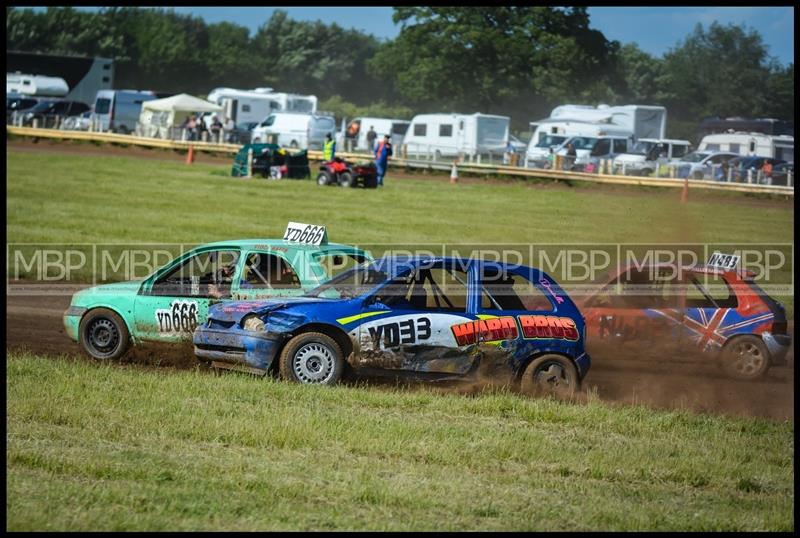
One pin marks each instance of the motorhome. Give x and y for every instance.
(439, 135)
(244, 106)
(641, 121)
(36, 85)
(295, 130)
(779, 147)
(118, 110)
(647, 154)
(358, 128)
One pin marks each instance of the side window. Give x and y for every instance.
(512, 292)
(734, 148)
(420, 129)
(437, 289)
(712, 147)
(620, 145)
(635, 289)
(679, 151)
(710, 291)
(206, 274)
(245, 108)
(602, 147)
(268, 272)
(446, 130)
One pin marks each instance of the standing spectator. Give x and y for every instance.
(767, 171)
(508, 156)
(724, 168)
(229, 127)
(382, 154)
(216, 128)
(201, 128)
(190, 125)
(329, 150)
(371, 136)
(569, 159)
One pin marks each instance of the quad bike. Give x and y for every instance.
(347, 174)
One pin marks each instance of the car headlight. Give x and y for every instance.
(253, 323)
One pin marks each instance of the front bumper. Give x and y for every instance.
(256, 349)
(72, 320)
(778, 346)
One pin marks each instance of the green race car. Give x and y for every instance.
(167, 305)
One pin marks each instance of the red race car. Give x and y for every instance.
(691, 311)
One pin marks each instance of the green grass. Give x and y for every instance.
(104, 447)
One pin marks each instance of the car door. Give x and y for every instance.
(709, 300)
(173, 301)
(412, 322)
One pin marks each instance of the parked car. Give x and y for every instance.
(48, 112)
(167, 305)
(746, 169)
(19, 104)
(781, 172)
(429, 318)
(648, 154)
(81, 122)
(690, 314)
(590, 150)
(295, 130)
(701, 164)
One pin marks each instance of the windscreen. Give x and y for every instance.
(549, 141)
(102, 106)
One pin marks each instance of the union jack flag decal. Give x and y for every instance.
(710, 328)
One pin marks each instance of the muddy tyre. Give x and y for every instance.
(346, 180)
(312, 358)
(324, 178)
(550, 374)
(103, 334)
(745, 357)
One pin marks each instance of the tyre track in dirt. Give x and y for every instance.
(34, 323)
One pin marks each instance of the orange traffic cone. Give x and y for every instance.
(190, 155)
(685, 193)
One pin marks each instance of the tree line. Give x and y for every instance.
(519, 61)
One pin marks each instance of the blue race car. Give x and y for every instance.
(432, 318)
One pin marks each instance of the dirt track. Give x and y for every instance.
(34, 323)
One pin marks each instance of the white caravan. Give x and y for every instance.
(441, 135)
(642, 121)
(750, 144)
(36, 85)
(358, 128)
(294, 130)
(252, 106)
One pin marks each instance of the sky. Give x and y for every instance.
(654, 29)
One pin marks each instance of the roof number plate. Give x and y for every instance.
(307, 234)
(723, 261)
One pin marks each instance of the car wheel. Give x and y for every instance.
(103, 334)
(745, 357)
(550, 374)
(346, 179)
(312, 358)
(323, 178)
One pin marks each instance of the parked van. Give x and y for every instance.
(441, 135)
(550, 134)
(649, 153)
(358, 128)
(118, 110)
(779, 147)
(304, 131)
(37, 85)
(244, 106)
(590, 150)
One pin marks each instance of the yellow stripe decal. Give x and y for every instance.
(485, 316)
(345, 321)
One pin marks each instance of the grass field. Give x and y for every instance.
(94, 447)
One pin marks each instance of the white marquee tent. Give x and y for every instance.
(159, 115)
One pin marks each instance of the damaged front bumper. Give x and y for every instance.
(255, 349)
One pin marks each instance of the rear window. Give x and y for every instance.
(102, 106)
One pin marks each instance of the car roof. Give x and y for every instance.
(258, 243)
(698, 268)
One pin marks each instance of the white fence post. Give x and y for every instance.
(750, 175)
(250, 163)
